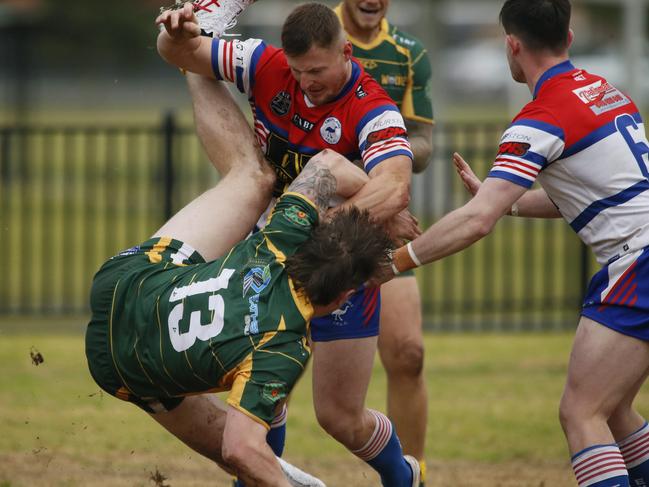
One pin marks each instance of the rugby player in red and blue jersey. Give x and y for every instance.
(584, 141)
(309, 96)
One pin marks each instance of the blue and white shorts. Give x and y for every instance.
(618, 295)
(357, 318)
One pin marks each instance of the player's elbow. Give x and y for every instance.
(328, 158)
(164, 48)
(422, 158)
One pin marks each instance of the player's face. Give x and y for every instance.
(322, 72)
(366, 14)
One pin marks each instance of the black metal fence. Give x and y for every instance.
(71, 196)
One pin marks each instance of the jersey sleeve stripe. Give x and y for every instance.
(216, 59)
(594, 137)
(383, 146)
(543, 126)
(236, 61)
(504, 173)
(517, 166)
(522, 162)
(597, 207)
(372, 114)
(371, 164)
(252, 70)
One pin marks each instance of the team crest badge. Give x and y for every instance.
(331, 130)
(281, 103)
(295, 215)
(274, 391)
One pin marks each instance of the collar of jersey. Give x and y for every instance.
(356, 72)
(383, 34)
(560, 68)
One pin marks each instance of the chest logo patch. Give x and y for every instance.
(331, 130)
(281, 103)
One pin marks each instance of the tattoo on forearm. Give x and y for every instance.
(317, 184)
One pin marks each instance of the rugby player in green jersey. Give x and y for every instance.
(197, 309)
(400, 63)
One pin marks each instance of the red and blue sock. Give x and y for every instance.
(635, 450)
(383, 453)
(600, 466)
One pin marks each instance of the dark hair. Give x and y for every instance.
(540, 24)
(341, 254)
(308, 25)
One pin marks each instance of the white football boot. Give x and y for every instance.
(217, 16)
(298, 478)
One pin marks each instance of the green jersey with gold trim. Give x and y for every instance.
(399, 62)
(180, 325)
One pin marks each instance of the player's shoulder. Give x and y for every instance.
(368, 92)
(406, 40)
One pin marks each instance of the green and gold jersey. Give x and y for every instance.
(179, 325)
(400, 64)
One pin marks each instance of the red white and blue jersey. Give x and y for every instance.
(362, 123)
(585, 142)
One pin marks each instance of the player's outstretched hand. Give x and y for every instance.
(468, 177)
(403, 227)
(180, 24)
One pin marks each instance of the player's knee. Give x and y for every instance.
(339, 424)
(403, 358)
(238, 453)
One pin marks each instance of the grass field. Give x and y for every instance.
(492, 418)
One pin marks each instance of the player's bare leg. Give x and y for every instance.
(401, 348)
(223, 215)
(341, 373)
(625, 419)
(604, 370)
(198, 422)
(246, 450)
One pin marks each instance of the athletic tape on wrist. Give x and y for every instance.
(402, 259)
(413, 256)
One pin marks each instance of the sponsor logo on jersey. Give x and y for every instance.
(281, 103)
(403, 40)
(579, 76)
(385, 134)
(515, 136)
(256, 279)
(601, 97)
(518, 149)
(296, 215)
(302, 123)
(393, 80)
(331, 130)
(131, 251)
(274, 391)
(369, 63)
(360, 92)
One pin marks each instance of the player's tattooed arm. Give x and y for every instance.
(328, 175)
(317, 183)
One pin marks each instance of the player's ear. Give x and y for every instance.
(513, 43)
(571, 37)
(347, 50)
